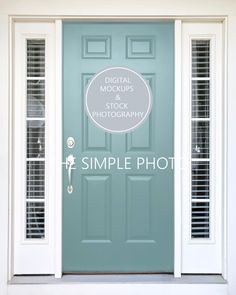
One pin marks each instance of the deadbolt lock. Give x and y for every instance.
(70, 142)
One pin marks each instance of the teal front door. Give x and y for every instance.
(118, 220)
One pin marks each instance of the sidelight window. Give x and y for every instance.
(34, 150)
(202, 148)
(200, 167)
(35, 163)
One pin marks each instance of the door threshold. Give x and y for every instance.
(119, 278)
(97, 273)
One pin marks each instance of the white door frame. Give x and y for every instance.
(177, 145)
(58, 122)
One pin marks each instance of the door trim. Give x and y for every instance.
(177, 150)
(58, 154)
(58, 123)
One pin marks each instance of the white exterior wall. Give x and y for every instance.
(116, 8)
(111, 8)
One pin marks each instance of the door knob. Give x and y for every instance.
(70, 162)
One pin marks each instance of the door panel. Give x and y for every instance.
(118, 220)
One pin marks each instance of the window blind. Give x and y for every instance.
(35, 133)
(200, 172)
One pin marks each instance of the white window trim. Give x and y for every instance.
(203, 255)
(38, 254)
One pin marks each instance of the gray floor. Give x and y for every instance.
(116, 278)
